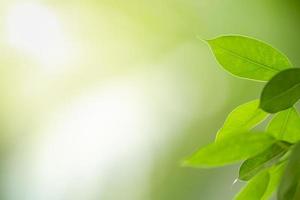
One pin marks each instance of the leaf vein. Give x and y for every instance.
(284, 125)
(283, 93)
(248, 59)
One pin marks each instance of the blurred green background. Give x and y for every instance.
(102, 99)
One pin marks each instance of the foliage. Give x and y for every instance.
(270, 158)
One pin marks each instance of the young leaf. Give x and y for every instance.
(282, 91)
(263, 160)
(291, 177)
(275, 177)
(243, 118)
(248, 58)
(286, 126)
(230, 150)
(256, 188)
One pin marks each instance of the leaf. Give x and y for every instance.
(282, 91)
(263, 160)
(229, 150)
(286, 126)
(243, 118)
(275, 176)
(256, 188)
(291, 177)
(248, 58)
(263, 185)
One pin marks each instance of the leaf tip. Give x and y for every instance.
(235, 181)
(201, 39)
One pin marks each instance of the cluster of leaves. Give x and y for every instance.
(271, 157)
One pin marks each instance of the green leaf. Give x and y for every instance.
(243, 118)
(248, 58)
(229, 150)
(286, 126)
(275, 176)
(263, 160)
(291, 177)
(256, 188)
(282, 91)
(263, 185)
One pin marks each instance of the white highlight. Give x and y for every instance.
(36, 30)
(81, 143)
(87, 138)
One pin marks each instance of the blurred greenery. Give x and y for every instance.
(152, 47)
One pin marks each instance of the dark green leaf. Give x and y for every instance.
(291, 177)
(286, 126)
(243, 118)
(282, 91)
(248, 58)
(230, 149)
(263, 160)
(256, 188)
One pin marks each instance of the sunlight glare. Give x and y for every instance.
(36, 30)
(87, 137)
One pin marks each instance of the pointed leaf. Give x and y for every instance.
(256, 188)
(229, 150)
(291, 177)
(286, 126)
(263, 160)
(244, 117)
(248, 58)
(282, 91)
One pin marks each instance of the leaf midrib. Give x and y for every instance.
(248, 59)
(283, 93)
(253, 116)
(284, 125)
(265, 163)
